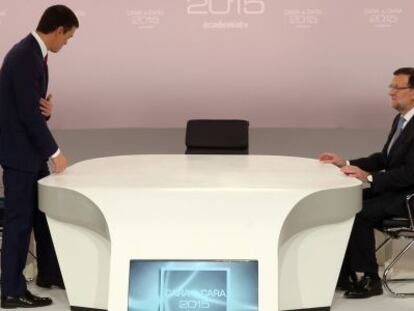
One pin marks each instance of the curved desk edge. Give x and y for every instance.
(312, 240)
(57, 203)
(82, 241)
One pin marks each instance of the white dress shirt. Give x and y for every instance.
(44, 50)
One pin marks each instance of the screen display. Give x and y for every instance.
(156, 285)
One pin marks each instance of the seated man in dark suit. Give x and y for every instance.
(26, 144)
(390, 174)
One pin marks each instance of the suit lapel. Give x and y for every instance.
(405, 134)
(390, 135)
(46, 78)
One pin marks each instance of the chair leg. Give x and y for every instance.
(385, 242)
(385, 279)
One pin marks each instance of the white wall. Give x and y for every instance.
(157, 63)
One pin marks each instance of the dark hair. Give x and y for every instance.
(56, 16)
(409, 71)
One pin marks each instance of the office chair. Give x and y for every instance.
(398, 228)
(205, 136)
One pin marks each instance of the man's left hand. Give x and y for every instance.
(355, 171)
(46, 106)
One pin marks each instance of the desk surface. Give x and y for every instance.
(201, 171)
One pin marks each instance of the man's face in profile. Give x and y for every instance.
(402, 96)
(61, 38)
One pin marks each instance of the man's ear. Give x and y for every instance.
(60, 30)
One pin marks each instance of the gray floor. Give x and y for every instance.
(79, 145)
(378, 303)
(85, 144)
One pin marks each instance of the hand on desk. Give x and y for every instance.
(332, 158)
(355, 171)
(59, 163)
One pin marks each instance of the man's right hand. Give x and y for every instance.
(59, 163)
(332, 158)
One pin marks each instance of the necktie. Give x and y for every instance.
(46, 73)
(397, 133)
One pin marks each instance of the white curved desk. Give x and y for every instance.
(292, 215)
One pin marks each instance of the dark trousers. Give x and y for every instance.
(21, 215)
(360, 254)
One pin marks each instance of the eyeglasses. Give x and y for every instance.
(398, 88)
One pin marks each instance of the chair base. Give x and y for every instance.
(398, 294)
(386, 280)
(73, 308)
(312, 309)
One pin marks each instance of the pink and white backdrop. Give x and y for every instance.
(277, 63)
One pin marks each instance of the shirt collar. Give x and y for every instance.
(408, 116)
(42, 45)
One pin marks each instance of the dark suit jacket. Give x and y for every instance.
(398, 164)
(25, 140)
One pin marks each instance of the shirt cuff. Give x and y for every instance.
(347, 162)
(55, 154)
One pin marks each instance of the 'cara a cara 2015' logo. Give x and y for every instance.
(224, 7)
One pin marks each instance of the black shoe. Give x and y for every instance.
(49, 284)
(26, 301)
(366, 287)
(347, 282)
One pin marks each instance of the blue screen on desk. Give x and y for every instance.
(160, 285)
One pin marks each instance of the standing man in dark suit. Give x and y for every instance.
(26, 145)
(390, 174)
